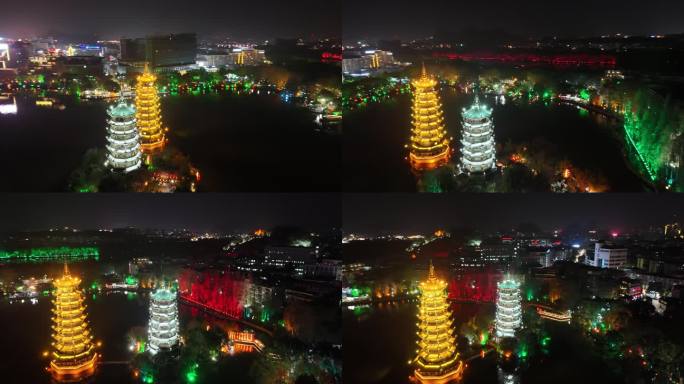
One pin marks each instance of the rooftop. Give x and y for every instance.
(121, 109)
(477, 111)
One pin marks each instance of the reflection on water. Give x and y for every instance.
(505, 377)
(231, 139)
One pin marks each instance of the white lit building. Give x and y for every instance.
(163, 325)
(325, 269)
(8, 105)
(123, 140)
(247, 56)
(85, 50)
(258, 295)
(478, 154)
(215, 60)
(607, 255)
(508, 308)
(362, 62)
(289, 257)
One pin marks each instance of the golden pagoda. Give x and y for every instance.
(437, 361)
(73, 353)
(148, 113)
(429, 147)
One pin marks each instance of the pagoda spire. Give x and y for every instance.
(429, 145)
(123, 137)
(148, 113)
(437, 361)
(478, 149)
(508, 307)
(73, 353)
(162, 330)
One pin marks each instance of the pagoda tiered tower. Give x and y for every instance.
(163, 326)
(73, 353)
(508, 308)
(477, 153)
(123, 140)
(437, 361)
(429, 147)
(148, 113)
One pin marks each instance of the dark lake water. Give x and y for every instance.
(374, 139)
(380, 340)
(239, 143)
(26, 331)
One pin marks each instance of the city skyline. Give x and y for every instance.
(212, 212)
(405, 213)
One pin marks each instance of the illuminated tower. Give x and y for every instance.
(429, 146)
(123, 141)
(477, 153)
(508, 310)
(163, 326)
(148, 113)
(437, 361)
(73, 352)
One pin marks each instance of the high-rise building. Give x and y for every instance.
(214, 60)
(80, 65)
(496, 251)
(356, 62)
(163, 325)
(5, 55)
(174, 51)
(19, 53)
(123, 141)
(508, 308)
(478, 154)
(608, 255)
(437, 361)
(429, 146)
(248, 56)
(296, 258)
(85, 50)
(73, 352)
(148, 113)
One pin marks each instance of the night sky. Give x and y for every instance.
(416, 19)
(200, 212)
(423, 213)
(113, 19)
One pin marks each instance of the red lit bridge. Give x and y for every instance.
(556, 60)
(224, 315)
